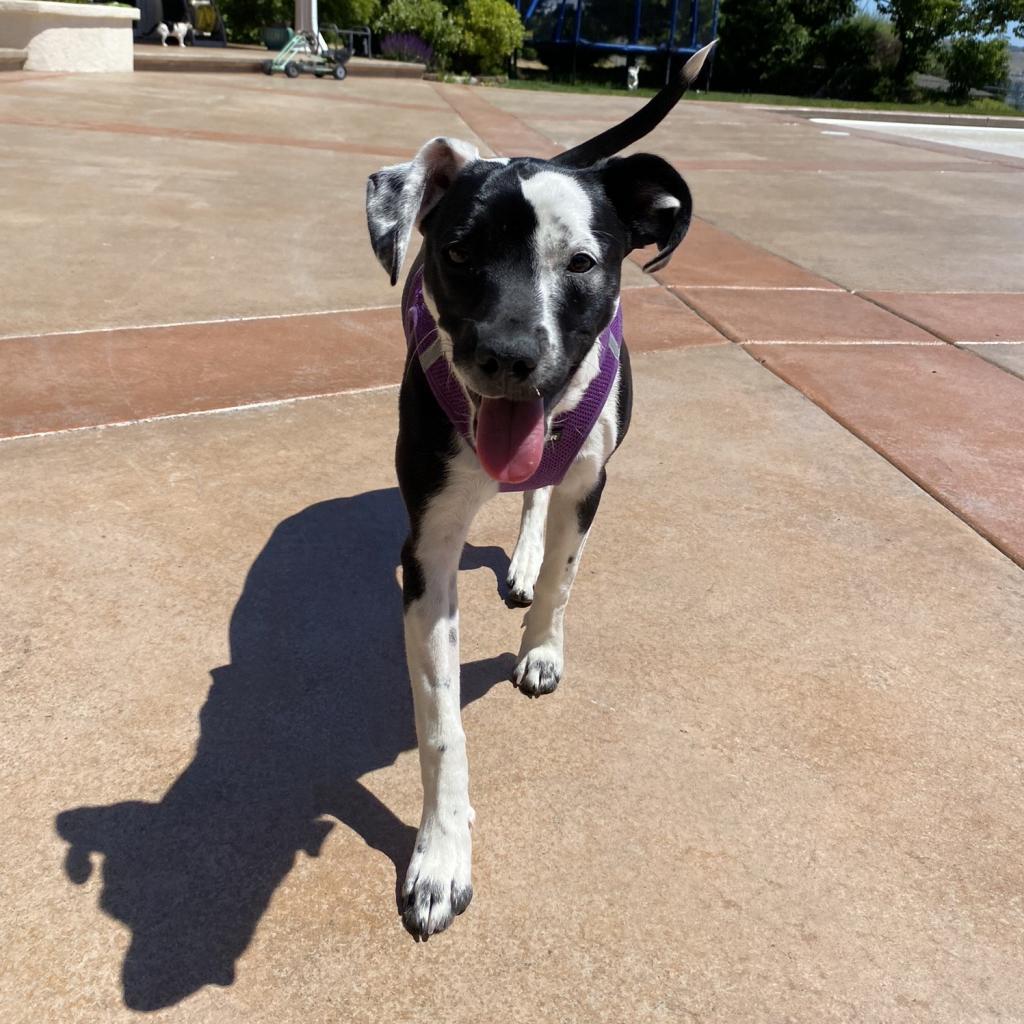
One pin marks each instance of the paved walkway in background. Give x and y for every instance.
(1005, 141)
(789, 736)
(903, 402)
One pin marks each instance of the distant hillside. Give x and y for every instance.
(1017, 61)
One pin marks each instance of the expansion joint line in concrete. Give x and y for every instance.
(921, 480)
(192, 413)
(202, 135)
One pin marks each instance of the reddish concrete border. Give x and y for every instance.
(713, 258)
(949, 420)
(507, 134)
(199, 135)
(102, 377)
(73, 381)
(801, 316)
(655, 320)
(258, 86)
(960, 317)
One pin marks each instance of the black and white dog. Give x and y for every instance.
(517, 379)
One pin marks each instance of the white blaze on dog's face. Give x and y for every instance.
(521, 264)
(521, 259)
(563, 240)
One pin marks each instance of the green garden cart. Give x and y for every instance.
(308, 52)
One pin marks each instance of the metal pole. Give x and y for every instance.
(559, 25)
(306, 19)
(579, 21)
(576, 36)
(671, 40)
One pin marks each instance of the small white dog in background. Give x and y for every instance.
(179, 30)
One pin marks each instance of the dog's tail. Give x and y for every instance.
(643, 121)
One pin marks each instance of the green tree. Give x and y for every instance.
(760, 43)
(348, 13)
(491, 32)
(859, 55)
(991, 17)
(919, 25)
(245, 19)
(771, 44)
(972, 63)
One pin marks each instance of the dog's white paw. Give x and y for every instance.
(523, 571)
(438, 885)
(539, 670)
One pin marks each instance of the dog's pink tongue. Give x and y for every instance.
(510, 438)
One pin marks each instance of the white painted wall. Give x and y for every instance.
(69, 37)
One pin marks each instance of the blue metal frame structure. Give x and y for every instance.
(634, 46)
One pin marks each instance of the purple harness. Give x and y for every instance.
(568, 430)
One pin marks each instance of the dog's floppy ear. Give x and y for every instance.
(652, 201)
(399, 197)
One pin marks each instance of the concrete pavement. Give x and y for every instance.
(781, 778)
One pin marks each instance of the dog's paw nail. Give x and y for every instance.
(519, 597)
(539, 672)
(437, 888)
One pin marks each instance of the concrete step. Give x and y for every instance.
(175, 58)
(211, 60)
(385, 68)
(12, 60)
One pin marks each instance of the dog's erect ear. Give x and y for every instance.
(652, 201)
(399, 197)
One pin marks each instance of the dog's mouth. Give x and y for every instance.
(511, 432)
(510, 438)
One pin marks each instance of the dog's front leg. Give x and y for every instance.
(571, 511)
(438, 883)
(529, 550)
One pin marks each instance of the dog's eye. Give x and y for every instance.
(581, 263)
(457, 255)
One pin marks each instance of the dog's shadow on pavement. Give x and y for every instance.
(315, 697)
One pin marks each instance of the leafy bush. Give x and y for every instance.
(348, 13)
(245, 19)
(428, 19)
(806, 48)
(492, 32)
(972, 63)
(406, 46)
(761, 45)
(860, 59)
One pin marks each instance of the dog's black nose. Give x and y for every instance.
(513, 356)
(493, 363)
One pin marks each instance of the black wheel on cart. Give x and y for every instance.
(291, 69)
(339, 72)
(268, 67)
